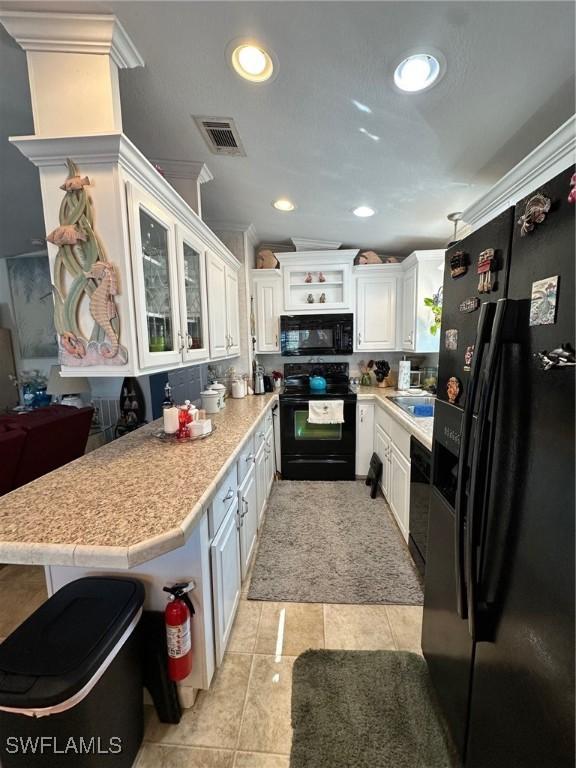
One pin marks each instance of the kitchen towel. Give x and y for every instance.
(326, 411)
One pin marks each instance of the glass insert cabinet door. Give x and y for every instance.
(192, 282)
(154, 259)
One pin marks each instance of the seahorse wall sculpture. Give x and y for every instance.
(83, 273)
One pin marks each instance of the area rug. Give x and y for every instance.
(329, 542)
(366, 709)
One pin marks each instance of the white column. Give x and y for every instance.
(73, 61)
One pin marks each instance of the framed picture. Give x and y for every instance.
(543, 301)
(32, 305)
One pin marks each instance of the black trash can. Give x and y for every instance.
(71, 679)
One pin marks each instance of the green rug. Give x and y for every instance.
(366, 709)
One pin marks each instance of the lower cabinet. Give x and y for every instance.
(364, 437)
(261, 482)
(382, 449)
(399, 494)
(248, 516)
(226, 578)
(395, 481)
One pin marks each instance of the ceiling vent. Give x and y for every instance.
(221, 135)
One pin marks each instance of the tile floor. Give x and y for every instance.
(243, 721)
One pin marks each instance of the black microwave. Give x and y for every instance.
(316, 334)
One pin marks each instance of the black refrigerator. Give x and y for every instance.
(498, 626)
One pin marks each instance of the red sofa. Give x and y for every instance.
(36, 442)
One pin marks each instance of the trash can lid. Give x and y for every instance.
(63, 645)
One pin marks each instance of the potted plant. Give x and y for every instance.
(435, 305)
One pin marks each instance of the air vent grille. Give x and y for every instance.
(221, 135)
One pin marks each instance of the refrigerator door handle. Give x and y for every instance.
(483, 332)
(478, 485)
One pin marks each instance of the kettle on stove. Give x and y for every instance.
(317, 384)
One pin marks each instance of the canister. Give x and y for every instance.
(210, 400)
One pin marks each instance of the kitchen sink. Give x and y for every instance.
(419, 406)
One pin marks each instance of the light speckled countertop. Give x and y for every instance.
(132, 499)
(420, 427)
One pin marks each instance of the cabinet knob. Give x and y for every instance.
(250, 457)
(229, 495)
(359, 338)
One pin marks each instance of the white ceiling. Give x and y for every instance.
(509, 83)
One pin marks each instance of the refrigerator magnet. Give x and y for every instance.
(468, 355)
(458, 264)
(572, 193)
(451, 339)
(453, 389)
(543, 301)
(486, 268)
(470, 304)
(534, 213)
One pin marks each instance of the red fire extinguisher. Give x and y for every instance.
(177, 616)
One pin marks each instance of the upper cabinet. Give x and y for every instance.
(376, 308)
(423, 274)
(224, 323)
(267, 296)
(317, 281)
(128, 262)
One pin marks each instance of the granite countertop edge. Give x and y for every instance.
(28, 552)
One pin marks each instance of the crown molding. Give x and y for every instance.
(307, 244)
(101, 34)
(110, 149)
(185, 169)
(553, 155)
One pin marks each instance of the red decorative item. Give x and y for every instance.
(183, 422)
(572, 193)
(486, 265)
(177, 617)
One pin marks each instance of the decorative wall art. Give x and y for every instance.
(83, 273)
(486, 269)
(535, 213)
(453, 389)
(451, 339)
(31, 292)
(458, 264)
(544, 301)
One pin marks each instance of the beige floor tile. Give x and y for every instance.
(406, 623)
(245, 629)
(17, 602)
(266, 720)
(156, 756)
(290, 628)
(214, 721)
(357, 628)
(261, 760)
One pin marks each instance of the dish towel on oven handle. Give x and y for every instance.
(326, 411)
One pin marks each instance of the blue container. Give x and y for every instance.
(317, 384)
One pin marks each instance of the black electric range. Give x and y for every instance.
(317, 451)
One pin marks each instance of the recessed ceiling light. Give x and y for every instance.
(417, 72)
(283, 205)
(252, 62)
(363, 211)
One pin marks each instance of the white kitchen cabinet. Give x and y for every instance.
(192, 294)
(232, 311)
(376, 310)
(382, 449)
(248, 515)
(408, 324)
(261, 467)
(155, 270)
(226, 579)
(329, 276)
(223, 313)
(364, 437)
(399, 493)
(423, 274)
(269, 459)
(267, 293)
